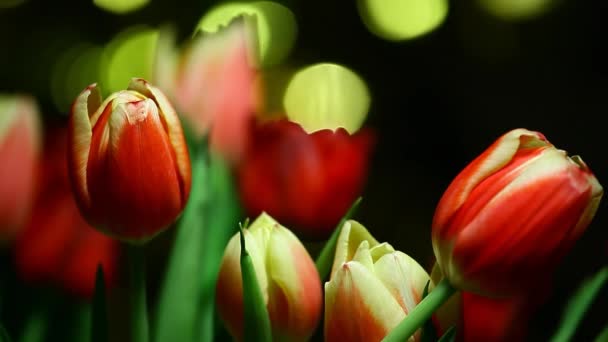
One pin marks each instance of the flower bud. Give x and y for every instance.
(19, 149)
(306, 180)
(287, 277)
(372, 288)
(128, 161)
(512, 214)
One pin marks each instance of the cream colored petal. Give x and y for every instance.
(356, 292)
(351, 236)
(80, 131)
(168, 114)
(363, 256)
(404, 278)
(378, 251)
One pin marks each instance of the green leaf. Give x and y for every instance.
(179, 297)
(99, 317)
(36, 325)
(603, 335)
(577, 306)
(223, 216)
(449, 336)
(326, 257)
(257, 323)
(4, 336)
(428, 329)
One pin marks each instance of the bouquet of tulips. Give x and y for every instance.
(191, 157)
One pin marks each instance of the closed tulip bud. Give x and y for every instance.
(128, 161)
(371, 289)
(287, 276)
(19, 149)
(511, 215)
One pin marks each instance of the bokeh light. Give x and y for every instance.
(10, 3)
(402, 19)
(516, 9)
(275, 24)
(120, 6)
(325, 96)
(130, 54)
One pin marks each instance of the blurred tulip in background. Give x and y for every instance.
(128, 161)
(19, 150)
(287, 277)
(213, 83)
(307, 180)
(57, 246)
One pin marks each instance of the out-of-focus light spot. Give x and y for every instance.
(10, 3)
(402, 19)
(516, 9)
(62, 92)
(327, 96)
(120, 6)
(130, 54)
(276, 26)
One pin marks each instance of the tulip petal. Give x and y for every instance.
(79, 136)
(174, 130)
(491, 160)
(403, 277)
(355, 292)
(295, 287)
(351, 236)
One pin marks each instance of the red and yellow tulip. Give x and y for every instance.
(511, 213)
(128, 161)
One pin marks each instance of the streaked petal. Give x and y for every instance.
(404, 278)
(358, 307)
(491, 160)
(174, 130)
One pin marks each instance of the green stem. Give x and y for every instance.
(137, 289)
(421, 313)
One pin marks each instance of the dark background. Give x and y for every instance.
(437, 101)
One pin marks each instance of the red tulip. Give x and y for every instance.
(19, 148)
(286, 275)
(511, 215)
(128, 161)
(57, 245)
(306, 180)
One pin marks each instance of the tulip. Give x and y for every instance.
(128, 161)
(306, 180)
(214, 86)
(57, 246)
(511, 215)
(19, 148)
(287, 276)
(371, 289)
